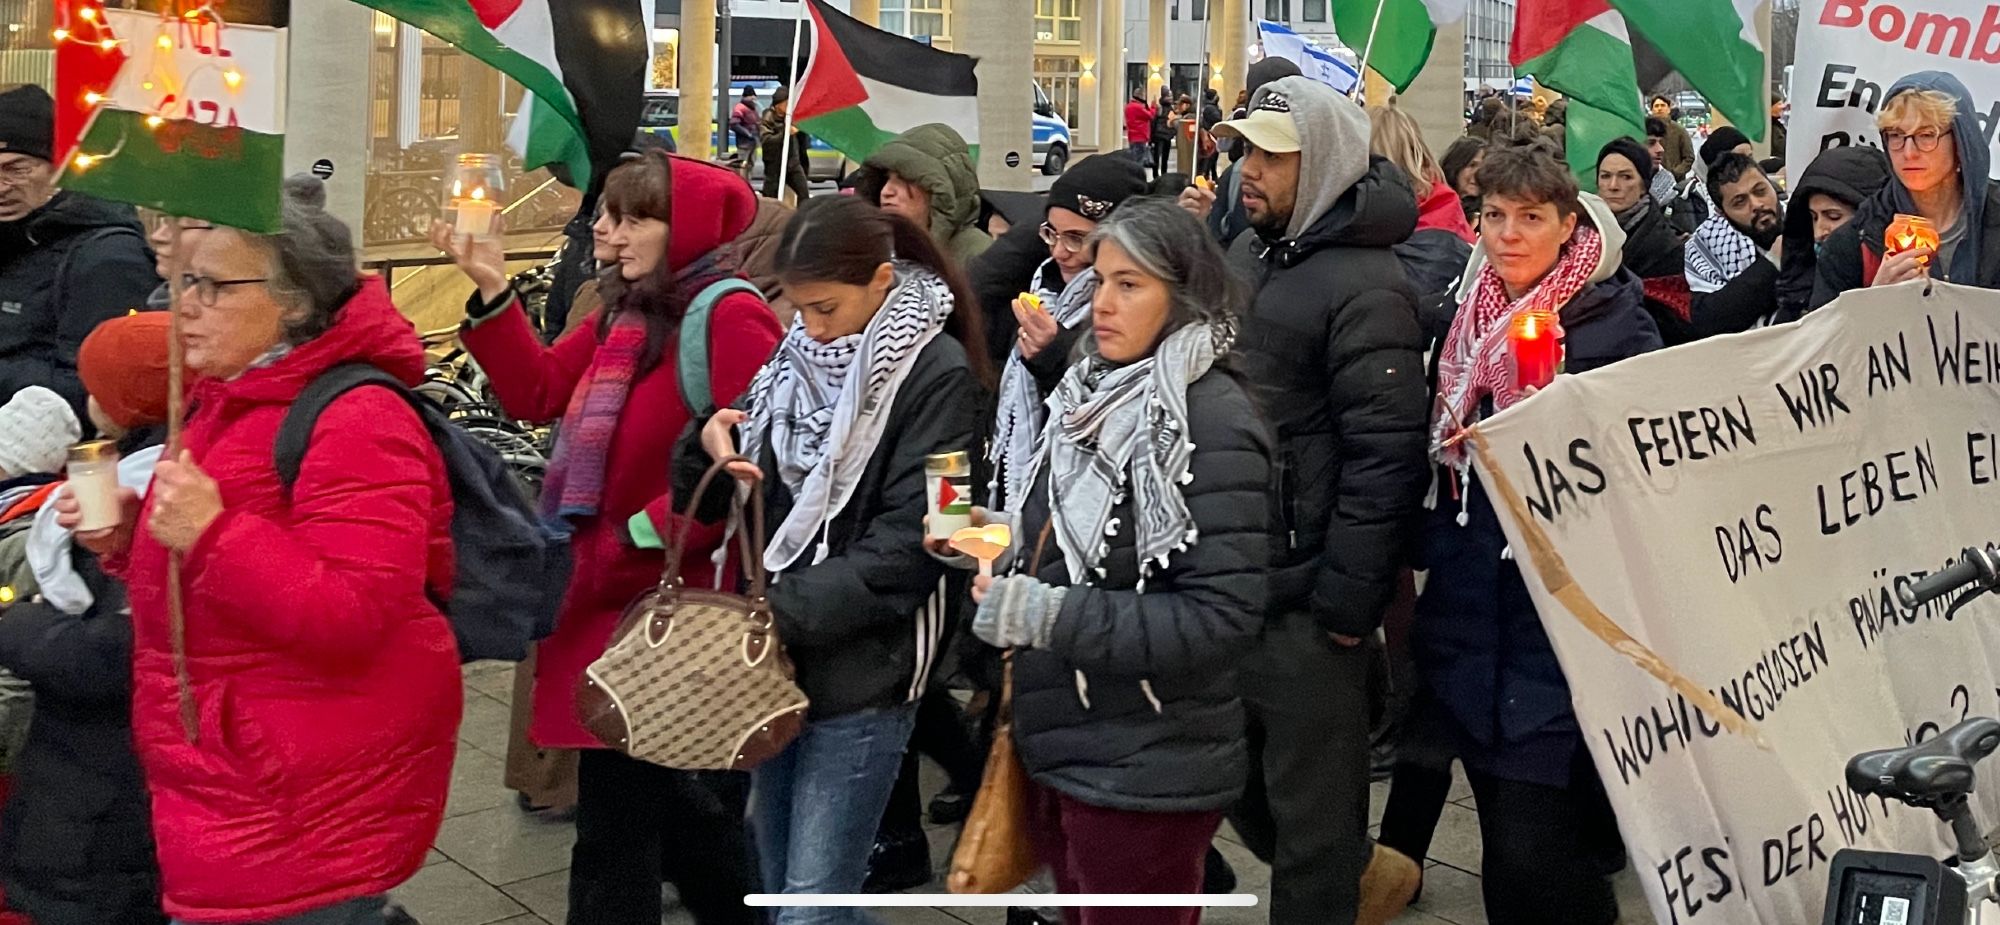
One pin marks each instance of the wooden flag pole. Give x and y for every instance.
(176, 417)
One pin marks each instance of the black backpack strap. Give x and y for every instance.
(295, 434)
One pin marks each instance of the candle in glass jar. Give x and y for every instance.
(1534, 341)
(475, 214)
(93, 482)
(1911, 232)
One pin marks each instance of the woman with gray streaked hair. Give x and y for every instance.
(1156, 489)
(297, 730)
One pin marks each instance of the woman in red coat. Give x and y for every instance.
(297, 732)
(614, 383)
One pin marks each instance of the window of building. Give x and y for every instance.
(1197, 10)
(1059, 76)
(1058, 21)
(1278, 10)
(1315, 10)
(915, 18)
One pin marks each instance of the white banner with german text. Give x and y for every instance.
(1714, 536)
(1850, 52)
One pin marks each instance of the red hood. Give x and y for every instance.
(712, 206)
(367, 329)
(1441, 209)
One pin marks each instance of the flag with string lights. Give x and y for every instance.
(179, 112)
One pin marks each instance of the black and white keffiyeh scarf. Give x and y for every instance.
(822, 407)
(1716, 253)
(1115, 432)
(1017, 426)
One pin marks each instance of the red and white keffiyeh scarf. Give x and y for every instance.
(1474, 363)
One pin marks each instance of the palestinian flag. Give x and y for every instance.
(584, 61)
(1580, 49)
(865, 86)
(1394, 36)
(152, 116)
(1713, 43)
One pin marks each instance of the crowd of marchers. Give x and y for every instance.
(1249, 568)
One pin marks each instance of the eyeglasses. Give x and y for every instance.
(1926, 141)
(205, 289)
(1071, 241)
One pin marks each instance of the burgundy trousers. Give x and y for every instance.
(1091, 849)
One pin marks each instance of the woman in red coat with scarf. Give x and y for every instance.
(297, 729)
(614, 384)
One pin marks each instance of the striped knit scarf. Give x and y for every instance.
(1018, 424)
(821, 408)
(1475, 362)
(574, 485)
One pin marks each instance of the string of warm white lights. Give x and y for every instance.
(88, 25)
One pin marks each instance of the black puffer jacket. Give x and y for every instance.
(1334, 350)
(1133, 706)
(65, 267)
(998, 276)
(860, 626)
(76, 839)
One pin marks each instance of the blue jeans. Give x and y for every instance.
(815, 807)
(364, 911)
(1141, 152)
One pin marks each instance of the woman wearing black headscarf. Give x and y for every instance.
(1825, 199)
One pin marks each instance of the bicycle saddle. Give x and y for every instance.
(1929, 772)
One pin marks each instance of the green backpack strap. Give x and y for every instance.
(692, 361)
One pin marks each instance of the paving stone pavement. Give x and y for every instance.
(493, 865)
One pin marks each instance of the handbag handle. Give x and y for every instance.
(1006, 711)
(751, 538)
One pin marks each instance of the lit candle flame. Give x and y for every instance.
(478, 192)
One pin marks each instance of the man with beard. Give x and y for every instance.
(67, 261)
(1732, 259)
(1333, 351)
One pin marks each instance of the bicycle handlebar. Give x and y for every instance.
(1973, 565)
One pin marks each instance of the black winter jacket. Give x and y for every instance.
(1841, 266)
(998, 276)
(1333, 349)
(865, 626)
(63, 269)
(1477, 639)
(76, 839)
(1134, 704)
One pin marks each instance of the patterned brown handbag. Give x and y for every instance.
(697, 679)
(993, 854)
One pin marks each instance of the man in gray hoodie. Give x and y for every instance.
(1333, 349)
